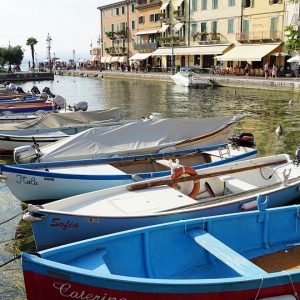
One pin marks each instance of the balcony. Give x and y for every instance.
(146, 47)
(259, 36)
(179, 15)
(121, 33)
(168, 41)
(140, 4)
(116, 51)
(207, 38)
(111, 35)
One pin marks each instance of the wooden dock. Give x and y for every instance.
(26, 76)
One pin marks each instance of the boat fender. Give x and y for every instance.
(190, 171)
(30, 218)
(209, 189)
(249, 205)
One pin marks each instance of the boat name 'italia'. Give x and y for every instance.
(65, 290)
(64, 225)
(26, 180)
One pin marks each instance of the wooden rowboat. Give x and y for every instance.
(254, 255)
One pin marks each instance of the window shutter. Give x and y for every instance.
(252, 3)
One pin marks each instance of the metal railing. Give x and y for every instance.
(258, 35)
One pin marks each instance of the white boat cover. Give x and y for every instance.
(134, 138)
(59, 120)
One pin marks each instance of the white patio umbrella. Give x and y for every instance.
(280, 54)
(295, 58)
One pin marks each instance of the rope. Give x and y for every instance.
(295, 293)
(9, 261)
(22, 212)
(261, 283)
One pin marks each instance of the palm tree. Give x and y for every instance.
(32, 42)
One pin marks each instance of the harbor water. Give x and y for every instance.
(263, 110)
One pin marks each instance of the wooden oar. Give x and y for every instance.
(168, 181)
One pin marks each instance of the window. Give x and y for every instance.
(193, 29)
(203, 4)
(117, 11)
(112, 27)
(245, 26)
(194, 5)
(123, 10)
(123, 26)
(133, 24)
(214, 26)
(273, 27)
(154, 17)
(231, 2)
(230, 25)
(274, 1)
(132, 8)
(214, 4)
(141, 20)
(247, 3)
(203, 27)
(112, 12)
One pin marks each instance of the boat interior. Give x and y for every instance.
(215, 249)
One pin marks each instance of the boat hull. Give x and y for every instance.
(64, 228)
(40, 185)
(86, 288)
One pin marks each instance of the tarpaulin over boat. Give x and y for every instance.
(141, 137)
(58, 120)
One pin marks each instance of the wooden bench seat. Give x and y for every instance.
(228, 256)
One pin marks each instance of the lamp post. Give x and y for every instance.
(49, 40)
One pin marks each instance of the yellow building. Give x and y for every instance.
(261, 34)
(117, 27)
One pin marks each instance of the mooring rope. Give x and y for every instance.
(9, 261)
(13, 217)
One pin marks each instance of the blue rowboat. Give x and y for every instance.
(25, 107)
(253, 255)
(222, 189)
(56, 180)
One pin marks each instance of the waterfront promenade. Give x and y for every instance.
(281, 83)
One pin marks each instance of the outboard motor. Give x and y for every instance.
(297, 156)
(60, 102)
(81, 105)
(25, 154)
(34, 90)
(11, 87)
(6, 83)
(44, 97)
(20, 90)
(47, 90)
(245, 139)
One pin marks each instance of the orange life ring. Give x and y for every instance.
(190, 171)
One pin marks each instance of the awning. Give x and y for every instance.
(104, 59)
(248, 52)
(151, 31)
(122, 59)
(164, 27)
(115, 59)
(140, 56)
(178, 26)
(108, 59)
(164, 5)
(177, 3)
(199, 50)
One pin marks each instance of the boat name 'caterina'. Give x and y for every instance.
(65, 290)
(64, 225)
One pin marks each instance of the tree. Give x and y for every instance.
(293, 35)
(32, 42)
(11, 56)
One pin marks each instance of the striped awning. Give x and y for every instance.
(115, 59)
(105, 59)
(164, 27)
(146, 32)
(122, 59)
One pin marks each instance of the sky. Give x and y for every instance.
(72, 25)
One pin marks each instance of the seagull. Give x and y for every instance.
(279, 130)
